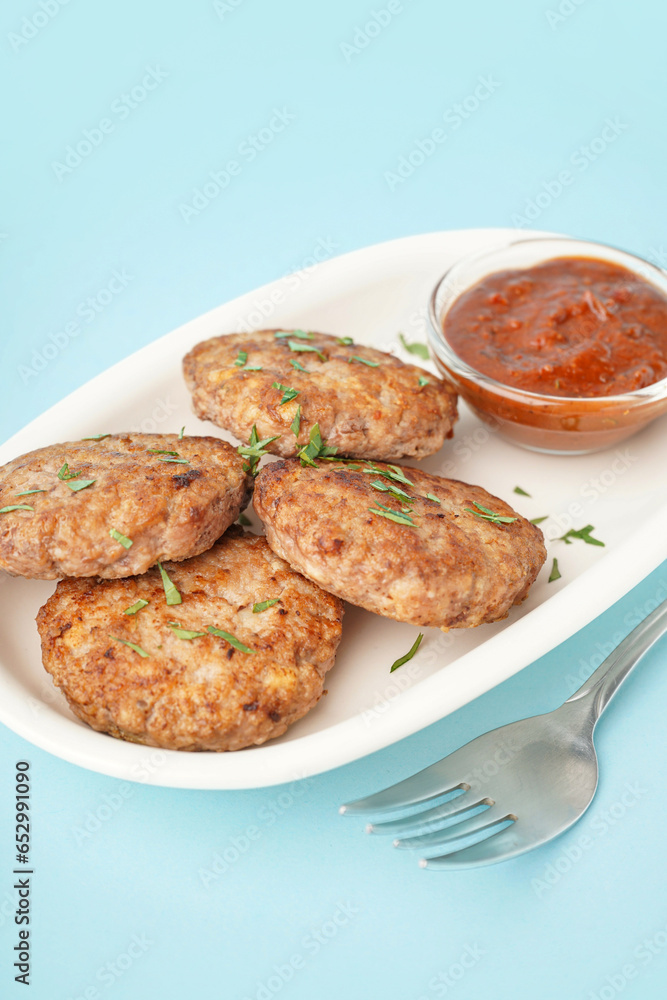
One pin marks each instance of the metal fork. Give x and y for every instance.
(516, 787)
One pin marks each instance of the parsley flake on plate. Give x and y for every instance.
(584, 534)
(522, 493)
(420, 350)
(555, 572)
(407, 656)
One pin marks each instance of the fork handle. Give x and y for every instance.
(604, 682)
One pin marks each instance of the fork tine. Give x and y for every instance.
(480, 823)
(452, 808)
(433, 781)
(501, 846)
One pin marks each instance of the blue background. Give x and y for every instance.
(553, 924)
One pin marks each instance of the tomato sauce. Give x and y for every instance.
(572, 326)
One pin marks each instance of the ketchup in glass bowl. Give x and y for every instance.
(560, 344)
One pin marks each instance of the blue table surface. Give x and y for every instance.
(116, 115)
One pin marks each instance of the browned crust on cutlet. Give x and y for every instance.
(373, 412)
(453, 569)
(169, 510)
(201, 693)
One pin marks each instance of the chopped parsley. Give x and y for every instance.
(293, 346)
(96, 437)
(288, 393)
(584, 534)
(538, 520)
(424, 381)
(392, 515)
(170, 591)
(555, 572)
(522, 493)
(231, 639)
(141, 603)
(392, 472)
(132, 645)
(420, 350)
(176, 461)
(407, 656)
(254, 450)
(295, 426)
(295, 364)
(488, 515)
(316, 448)
(300, 334)
(181, 433)
(64, 473)
(81, 484)
(363, 361)
(252, 368)
(120, 538)
(241, 359)
(25, 493)
(344, 341)
(245, 521)
(161, 451)
(16, 506)
(394, 490)
(263, 605)
(183, 633)
(430, 496)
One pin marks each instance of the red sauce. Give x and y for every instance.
(573, 326)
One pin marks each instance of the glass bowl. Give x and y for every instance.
(552, 424)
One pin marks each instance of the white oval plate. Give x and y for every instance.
(371, 295)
